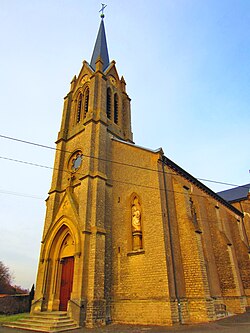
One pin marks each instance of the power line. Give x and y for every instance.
(63, 170)
(39, 198)
(102, 159)
(21, 194)
(27, 142)
(25, 162)
(112, 180)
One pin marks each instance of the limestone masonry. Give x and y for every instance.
(129, 236)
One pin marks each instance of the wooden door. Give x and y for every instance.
(66, 282)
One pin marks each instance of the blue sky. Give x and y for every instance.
(186, 64)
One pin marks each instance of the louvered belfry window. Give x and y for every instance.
(79, 108)
(116, 109)
(86, 102)
(108, 107)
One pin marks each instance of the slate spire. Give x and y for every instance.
(100, 49)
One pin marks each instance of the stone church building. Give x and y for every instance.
(129, 236)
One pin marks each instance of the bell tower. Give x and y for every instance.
(74, 256)
(98, 95)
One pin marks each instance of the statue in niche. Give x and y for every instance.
(136, 225)
(136, 218)
(194, 215)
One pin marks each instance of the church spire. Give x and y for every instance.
(100, 49)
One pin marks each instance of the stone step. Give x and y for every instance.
(42, 328)
(44, 318)
(51, 313)
(45, 322)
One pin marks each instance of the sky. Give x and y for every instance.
(187, 69)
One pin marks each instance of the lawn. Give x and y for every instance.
(11, 318)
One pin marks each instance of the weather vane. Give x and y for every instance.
(102, 10)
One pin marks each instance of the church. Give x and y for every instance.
(129, 236)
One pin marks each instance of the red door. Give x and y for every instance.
(66, 282)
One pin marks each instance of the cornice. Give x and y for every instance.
(200, 185)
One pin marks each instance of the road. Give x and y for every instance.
(233, 324)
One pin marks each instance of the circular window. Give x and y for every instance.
(76, 161)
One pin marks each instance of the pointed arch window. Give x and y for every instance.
(116, 108)
(86, 102)
(108, 106)
(79, 108)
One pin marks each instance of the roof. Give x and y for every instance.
(200, 185)
(100, 49)
(159, 150)
(235, 194)
(187, 176)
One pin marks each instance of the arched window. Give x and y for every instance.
(108, 106)
(116, 108)
(86, 102)
(79, 108)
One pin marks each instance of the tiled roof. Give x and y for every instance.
(235, 194)
(203, 187)
(189, 177)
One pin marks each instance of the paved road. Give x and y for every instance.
(234, 324)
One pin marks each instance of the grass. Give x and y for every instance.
(11, 318)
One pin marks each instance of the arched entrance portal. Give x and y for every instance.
(57, 280)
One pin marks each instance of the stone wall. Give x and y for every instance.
(12, 304)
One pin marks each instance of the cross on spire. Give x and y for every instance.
(100, 49)
(102, 10)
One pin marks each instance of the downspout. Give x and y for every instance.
(171, 246)
(243, 223)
